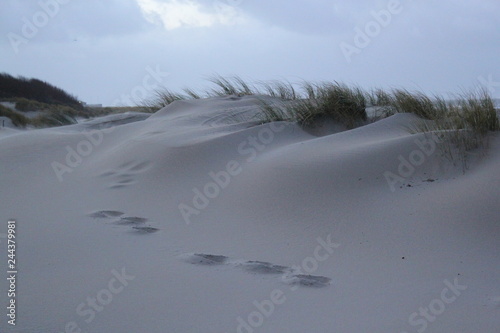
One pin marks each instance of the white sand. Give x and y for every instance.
(253, 257)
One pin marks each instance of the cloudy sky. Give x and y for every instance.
(116, 51)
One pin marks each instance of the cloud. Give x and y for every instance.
(319, 17)
(73, 20)
(173, 14)
(99, 49)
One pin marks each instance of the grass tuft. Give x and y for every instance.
(17, 118)
(335, 101)
(464, 125)
(161, 99)
(417, 103)
(229, 86)
(279, 89)
(272, 112)
(464, 122)
(478, 111)
(190, 93)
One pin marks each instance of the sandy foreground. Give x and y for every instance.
(197, 219)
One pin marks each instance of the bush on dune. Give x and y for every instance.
(16, 118)
(56, 117)
(34, 89)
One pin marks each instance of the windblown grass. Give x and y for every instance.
(161, 99)
(17, 118)
(311, 102)
(338, 102)
(56, 117)
(190, 93)
(278, 89)
(272, 112)
(224, 86)
(230, 86)
(464, 123)
(478, 112)
(50, 115)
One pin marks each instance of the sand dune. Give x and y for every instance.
(198, 219)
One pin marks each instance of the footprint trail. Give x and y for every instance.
(137, 224)
(289, 275)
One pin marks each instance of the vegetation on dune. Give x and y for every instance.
(464, 122)
(51, 115)
(16, 118)
(307, 103)
(338, 102)
(55, 106)
(223, 86)
(163, 98)
(35, 90)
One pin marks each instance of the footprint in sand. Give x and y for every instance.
(288, 274)
(104, 214)
(307, 280)
(261, 267)
(131, 220)
(204, 259)
(136, 224)
(144, 230)
(125, 174)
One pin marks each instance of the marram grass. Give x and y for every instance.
(464, 122)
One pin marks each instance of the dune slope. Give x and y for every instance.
(198, 219)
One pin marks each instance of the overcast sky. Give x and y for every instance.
(104, 51)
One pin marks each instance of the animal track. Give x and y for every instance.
(289, 274)
(125, 174)
(136, 223)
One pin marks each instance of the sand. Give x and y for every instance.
(198, 219)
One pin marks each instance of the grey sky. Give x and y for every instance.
(104, 51)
